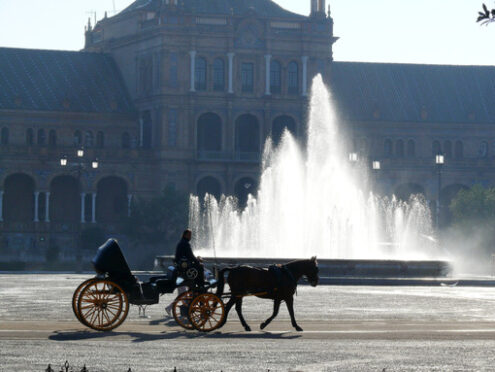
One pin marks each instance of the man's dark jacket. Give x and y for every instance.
(184, 250)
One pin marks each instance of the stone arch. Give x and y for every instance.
(65, 199)
(405, 190)
(280, 123)
(247, 134)
(209, 132)
(111, 199)
(208, 185)
(242, 188)
(18, 198)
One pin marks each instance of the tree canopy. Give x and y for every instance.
(159, 220)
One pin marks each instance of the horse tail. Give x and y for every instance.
(221, 280)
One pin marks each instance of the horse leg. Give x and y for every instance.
(228, 306)
(238, 307)
(290, 306)
(276, 306)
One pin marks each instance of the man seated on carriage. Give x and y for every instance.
(186, 262)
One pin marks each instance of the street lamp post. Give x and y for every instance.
(376, 166)
(439, 161)
(78, 167)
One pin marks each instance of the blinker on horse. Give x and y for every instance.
(278, 284)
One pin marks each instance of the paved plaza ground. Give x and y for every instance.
(346, 328)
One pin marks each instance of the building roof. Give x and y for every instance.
(45, 80)
(414, 93)
(221, 7)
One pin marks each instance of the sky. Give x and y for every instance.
(419, 31)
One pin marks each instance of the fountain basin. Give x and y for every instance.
(340, 268)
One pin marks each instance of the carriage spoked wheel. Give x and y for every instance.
(207, 312)
(102, 305)
(180, 309)
(75, 296)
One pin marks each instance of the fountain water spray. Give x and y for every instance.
(312, 201)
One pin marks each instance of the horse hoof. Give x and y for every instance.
(262, 326)
(299, 329)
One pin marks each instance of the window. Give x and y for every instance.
(293, 78)
(126, 140)
(88, 139)
(146, 130)
(30, 137)
(100, 140)
(459, 150)
(145, 74)
(172, 128)
(41, 137)
(4, 140)
(247, 77)
(173, 70)
(52, 138)
(411, 149)
(436, 148)
(399, 148)
(77, 138)
(275, 77)
(387, 148)
(200, 74)
(447, 149)
(218, 75)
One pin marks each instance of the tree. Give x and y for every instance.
(159, 220)
(474, 219)
(475, 205)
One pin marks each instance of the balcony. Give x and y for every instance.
(246, 157)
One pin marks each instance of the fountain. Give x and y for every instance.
(312, 201)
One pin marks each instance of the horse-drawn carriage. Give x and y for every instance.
(102, 303)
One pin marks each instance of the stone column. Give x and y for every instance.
(93, 208)
(231, 71)
(83, 204)
(129, 203)
(47, 207)
(268, 57)
(1, 206)
(36, 200)
(192, 53)
(305, 76)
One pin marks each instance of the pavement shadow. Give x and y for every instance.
(168, 335)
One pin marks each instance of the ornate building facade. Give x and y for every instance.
(186, 92)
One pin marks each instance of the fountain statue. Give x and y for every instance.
(312, 200)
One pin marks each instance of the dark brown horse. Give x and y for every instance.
(278, 284)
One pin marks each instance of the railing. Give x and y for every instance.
(228, 156)
(66, 367)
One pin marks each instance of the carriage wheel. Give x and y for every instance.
(75, 296)
(207, 312)
(180, 309)
(102, 305)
